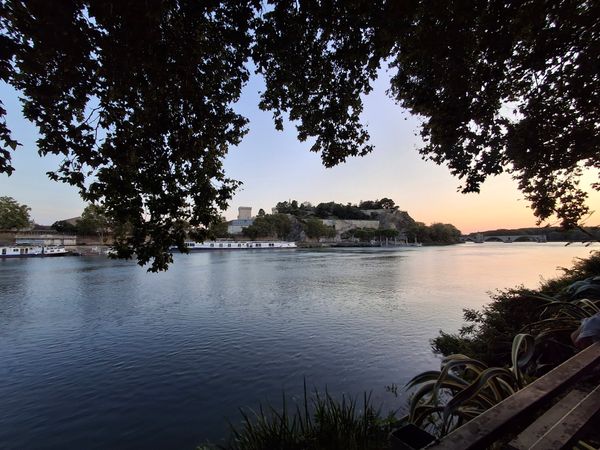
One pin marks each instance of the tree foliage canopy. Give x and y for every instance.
(219, 229)
(138, 97)
(384, 203)
(93, 221)
(500, 85)
(436, 233)
(340, 211)
(370, 234)
(62, 226)
(269, 226)
(315, 229)
(13, 214)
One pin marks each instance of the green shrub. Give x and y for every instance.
(321, 422)
(464, 387)
(582, 268)
(487, 334)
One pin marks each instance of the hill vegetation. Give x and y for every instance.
(393, 223)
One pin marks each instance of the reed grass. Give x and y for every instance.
(318, 422)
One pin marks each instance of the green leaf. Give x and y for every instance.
(522, 353)
(486, 379)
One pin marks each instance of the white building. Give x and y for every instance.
(34, 238)
(244, 213)
(244, 220)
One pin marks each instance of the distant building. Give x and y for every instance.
(45, 238)
(236, 226)
(245, 213)
(244, 220)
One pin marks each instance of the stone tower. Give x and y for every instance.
(244, 213)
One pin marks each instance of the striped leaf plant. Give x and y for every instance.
(464, 387)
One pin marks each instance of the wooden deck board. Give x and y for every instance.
(555, 415)
(568, 426)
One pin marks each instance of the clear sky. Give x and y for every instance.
(274, 166)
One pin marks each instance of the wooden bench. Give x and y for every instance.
(553, 429)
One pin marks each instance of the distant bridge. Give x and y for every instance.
(480, 238)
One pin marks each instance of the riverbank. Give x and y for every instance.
(353, 245)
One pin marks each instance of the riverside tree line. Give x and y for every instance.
(293, 221)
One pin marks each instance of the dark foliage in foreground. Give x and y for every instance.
(136, 97)
(500, 85)
(319, 423)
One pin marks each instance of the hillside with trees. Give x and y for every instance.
(393, 223)
(276, 226)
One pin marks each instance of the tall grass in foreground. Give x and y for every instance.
(320, 422)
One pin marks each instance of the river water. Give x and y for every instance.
(96, 353)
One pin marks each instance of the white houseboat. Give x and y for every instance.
(16, 251)
(236, 245)
(22, 251)
(54, 250)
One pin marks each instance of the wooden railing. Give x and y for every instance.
(515, 416)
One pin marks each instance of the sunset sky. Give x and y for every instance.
(274, 167)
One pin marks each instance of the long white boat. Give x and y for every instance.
(236, 245)
(19, 251)
(54, 250)
(28, 251)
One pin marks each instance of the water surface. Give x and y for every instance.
(96, 353)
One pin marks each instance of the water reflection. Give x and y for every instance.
(14, 282)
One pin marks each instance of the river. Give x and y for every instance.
(96, 353)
